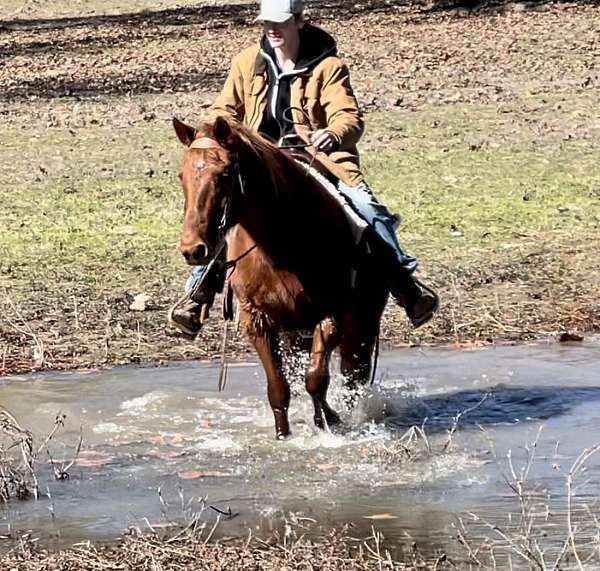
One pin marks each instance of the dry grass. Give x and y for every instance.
(192, 550)
(20, 458)
(543, 534)
(482, 132)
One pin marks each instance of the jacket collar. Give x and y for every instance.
(315, 45)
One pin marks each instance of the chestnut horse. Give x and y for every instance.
(293, 259)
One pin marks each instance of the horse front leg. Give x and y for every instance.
(325, 338)
(277, 387)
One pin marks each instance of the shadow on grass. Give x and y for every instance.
(109, 31)
(184, 16)
(64, 86)
(177, 22)
(239, 14)
(236, 13)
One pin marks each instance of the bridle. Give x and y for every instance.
(227, 220)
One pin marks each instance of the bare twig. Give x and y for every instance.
(457, 418)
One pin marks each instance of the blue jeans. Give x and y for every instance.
(379, 218)
(375, 214)
(195, 276)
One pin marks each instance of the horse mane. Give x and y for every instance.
(273, 160)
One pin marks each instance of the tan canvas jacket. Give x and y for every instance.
(325, 95)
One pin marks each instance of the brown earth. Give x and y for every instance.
(403, 57)
(124, 69)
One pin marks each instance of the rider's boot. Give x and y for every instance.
(188, 314)
(185, 316)
(419, 301)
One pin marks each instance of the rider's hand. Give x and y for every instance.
(323, 140)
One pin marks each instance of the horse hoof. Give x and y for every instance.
(332, 418)
(283, 436)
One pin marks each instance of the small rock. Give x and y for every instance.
(327, 466)
(141, 302)
(127, 231)
(455, 231)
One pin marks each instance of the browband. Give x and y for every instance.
(204, 143)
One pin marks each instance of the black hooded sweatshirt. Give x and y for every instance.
(315, 45)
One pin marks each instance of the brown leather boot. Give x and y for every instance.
(186, 317)
(419, 301)
(421, 309)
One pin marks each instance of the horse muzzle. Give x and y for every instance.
(196, 254)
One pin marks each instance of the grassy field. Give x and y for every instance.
(500, 201)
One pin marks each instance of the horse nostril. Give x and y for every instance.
(195, 254)
(199, 252)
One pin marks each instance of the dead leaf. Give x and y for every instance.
(327, 466)
(193, 474)
(94, 462)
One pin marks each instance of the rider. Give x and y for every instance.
(293, 88)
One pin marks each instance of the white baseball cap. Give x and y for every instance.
(279, 10)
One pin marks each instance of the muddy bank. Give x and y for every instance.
(335, 551)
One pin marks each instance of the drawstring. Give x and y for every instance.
(287, 116)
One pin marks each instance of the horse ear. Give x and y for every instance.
(223, 133)
(185, 133)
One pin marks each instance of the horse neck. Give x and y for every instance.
(274, 200)
(290, 217)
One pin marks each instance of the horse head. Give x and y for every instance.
(210, 178)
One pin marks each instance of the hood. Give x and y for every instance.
(315, 45)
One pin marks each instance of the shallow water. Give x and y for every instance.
(162, 445)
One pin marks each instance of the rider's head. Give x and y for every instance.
(282, 21)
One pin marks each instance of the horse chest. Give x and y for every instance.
(278, 300)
